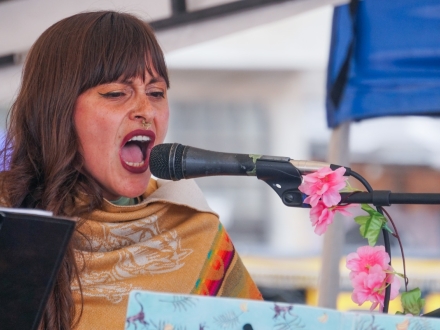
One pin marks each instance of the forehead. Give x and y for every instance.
(149, 74)
(122, 68)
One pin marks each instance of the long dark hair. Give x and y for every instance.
(44, 166)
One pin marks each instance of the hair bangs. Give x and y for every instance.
(119, 48)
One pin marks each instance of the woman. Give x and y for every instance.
(92, 104)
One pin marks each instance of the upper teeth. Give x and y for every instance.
(140, 138)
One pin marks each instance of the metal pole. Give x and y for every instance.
(178, 6)
(328, 286)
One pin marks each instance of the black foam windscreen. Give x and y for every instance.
(159, 161)
(166, 161)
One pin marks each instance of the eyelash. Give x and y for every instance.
(111, 95)
(119, 94)
(157, 94)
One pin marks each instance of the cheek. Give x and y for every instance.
(85, 127)
(80, 121)
(91, 129)
(161, 127)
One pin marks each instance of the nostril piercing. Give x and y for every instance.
(145, 124)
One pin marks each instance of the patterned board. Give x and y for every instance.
(163, 311)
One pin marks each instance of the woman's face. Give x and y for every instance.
(117, 124)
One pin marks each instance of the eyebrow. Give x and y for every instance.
(156, 79)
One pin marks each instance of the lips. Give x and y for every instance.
(135, 150)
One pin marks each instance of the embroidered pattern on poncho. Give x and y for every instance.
(138, 247)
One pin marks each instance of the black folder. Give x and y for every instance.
(32, 246)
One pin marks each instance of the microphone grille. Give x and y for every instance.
(178, 166)
(159, 161)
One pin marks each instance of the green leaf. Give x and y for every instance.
(368, 209)
(412, 302)
(370, 225)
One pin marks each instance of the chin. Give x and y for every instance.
(131, 187)
(135, 190)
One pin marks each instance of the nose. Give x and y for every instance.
(143, 110)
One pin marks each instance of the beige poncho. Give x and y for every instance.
(171, 242)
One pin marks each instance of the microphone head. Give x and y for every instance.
(166, 161)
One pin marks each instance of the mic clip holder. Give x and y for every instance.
(285, 178)
(282, 177)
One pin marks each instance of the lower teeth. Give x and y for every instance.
(135, 164)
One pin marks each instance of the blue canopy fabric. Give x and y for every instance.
(384, 60)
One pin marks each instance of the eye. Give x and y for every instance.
(157, 94)
(112, 95)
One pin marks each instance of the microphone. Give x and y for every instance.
(173, 161)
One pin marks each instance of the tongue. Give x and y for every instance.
(132, 153)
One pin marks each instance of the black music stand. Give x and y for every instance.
(32, 246)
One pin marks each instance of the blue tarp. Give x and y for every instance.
(393, 67)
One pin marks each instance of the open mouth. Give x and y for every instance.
(135, 151)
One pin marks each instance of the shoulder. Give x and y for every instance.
(183, 192)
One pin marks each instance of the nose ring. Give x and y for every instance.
(145, 124)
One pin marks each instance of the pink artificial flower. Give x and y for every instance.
(370, 274)
(322, 216)
(371, 285)
(367, 257)
(323, 184)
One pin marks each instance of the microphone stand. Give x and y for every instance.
(285, 178)
(376, 197)
(387, 198)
